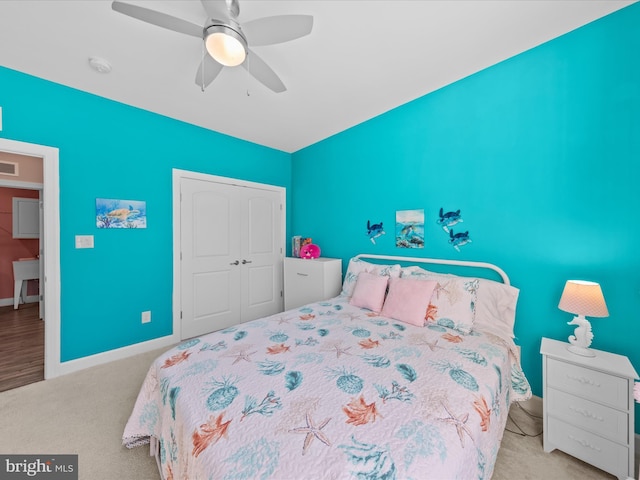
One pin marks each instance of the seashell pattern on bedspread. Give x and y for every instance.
(329, 391)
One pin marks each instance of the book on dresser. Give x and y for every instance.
(588, 407)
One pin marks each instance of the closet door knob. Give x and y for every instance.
(244, 262)
(237, 262)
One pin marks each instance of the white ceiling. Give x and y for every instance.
(363, 57)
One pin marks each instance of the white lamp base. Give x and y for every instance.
(581, 338)
(583, 352)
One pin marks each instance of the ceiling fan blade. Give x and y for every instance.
(158, 18)
(263, 73)
(221, 9)
(277, 29)
(207, 71)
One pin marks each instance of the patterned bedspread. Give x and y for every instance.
(329, 391)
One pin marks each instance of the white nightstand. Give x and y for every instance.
(311, 280)
(588, 407)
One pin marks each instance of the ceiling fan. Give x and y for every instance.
(225, 40)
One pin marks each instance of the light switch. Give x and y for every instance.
(84, 241)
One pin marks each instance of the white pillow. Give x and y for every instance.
(356, 266)
(495, 302)
(496, 308)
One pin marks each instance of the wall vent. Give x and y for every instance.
(9, 168)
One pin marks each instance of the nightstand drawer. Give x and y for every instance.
(604, 421)
(586, 383)
(597, 451)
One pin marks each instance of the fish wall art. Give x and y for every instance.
(458, 239)
(112, 213)
(374, 231)
(410, 228)
(448, 220)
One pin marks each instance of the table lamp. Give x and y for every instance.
(582, 298)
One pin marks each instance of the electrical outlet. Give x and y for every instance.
(146, 316)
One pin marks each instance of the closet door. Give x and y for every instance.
(261, 240)
(231, 255)
(209, 230)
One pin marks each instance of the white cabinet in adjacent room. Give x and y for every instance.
(311, 280)
(26, 218)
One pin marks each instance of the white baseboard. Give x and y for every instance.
(117, 354)
(4, 302)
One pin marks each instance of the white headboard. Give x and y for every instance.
(438, 261)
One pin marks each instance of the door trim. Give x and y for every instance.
(51, 213)
(177, 176)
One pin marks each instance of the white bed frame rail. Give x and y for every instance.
(439, 261)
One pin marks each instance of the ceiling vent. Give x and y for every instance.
(9, 168)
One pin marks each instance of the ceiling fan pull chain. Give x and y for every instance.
(202, 70)
(249, 71)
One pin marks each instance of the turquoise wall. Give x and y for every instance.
(541, 153)
(110, 150)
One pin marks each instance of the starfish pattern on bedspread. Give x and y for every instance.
(241, 355)
(458, 421)
(312, 431)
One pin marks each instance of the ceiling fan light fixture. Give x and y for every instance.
(226, 45)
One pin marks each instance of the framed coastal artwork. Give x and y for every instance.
(112, 213)
(410, 228)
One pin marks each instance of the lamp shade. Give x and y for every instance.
(226, 45)
(583, 298)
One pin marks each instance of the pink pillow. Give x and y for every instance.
(408, 300)
(454, 299)
(369, 291)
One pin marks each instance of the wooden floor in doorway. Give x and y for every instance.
(21, 346)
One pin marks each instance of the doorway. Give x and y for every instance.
(51, 245)
(21, 331)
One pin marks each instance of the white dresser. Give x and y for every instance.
(588, 407)
(311, 280)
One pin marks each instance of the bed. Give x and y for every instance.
(376, 383)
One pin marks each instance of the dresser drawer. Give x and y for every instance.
(604, 421)
(586, 383)
(597, 451)
(304, 283)
(308, 281)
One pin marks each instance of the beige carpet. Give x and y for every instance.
(85, 412)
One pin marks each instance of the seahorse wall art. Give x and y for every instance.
(374, 231)
(449, 219)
